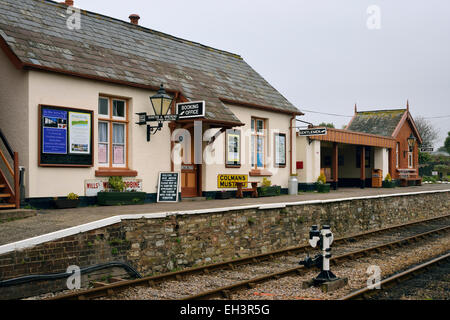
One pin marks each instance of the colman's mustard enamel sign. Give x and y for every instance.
(225, 181)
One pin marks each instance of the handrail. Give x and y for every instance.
(8, 166)
(7, 145)
(15, 190)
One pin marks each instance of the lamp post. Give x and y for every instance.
(411, 141)
(411, 144)
(161, 103)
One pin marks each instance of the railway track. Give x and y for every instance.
(402, 278)
(221, 279)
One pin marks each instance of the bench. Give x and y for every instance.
(407, 175)
(241, 190)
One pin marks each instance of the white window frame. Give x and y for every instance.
(110, 119)
(410, 157)
(108, 159)
(255, 135)
(101, 114)
(115, 165)
(125, 110)
(397, 155)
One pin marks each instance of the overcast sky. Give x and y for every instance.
(321, 55)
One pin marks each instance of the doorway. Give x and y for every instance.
(190, 173)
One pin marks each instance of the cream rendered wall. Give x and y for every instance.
(381, 156)
(349, 170)
(275, 122)
(13, 108)
(310, 155)
(148, 158)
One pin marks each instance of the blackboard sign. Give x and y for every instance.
(65, 137)
(168, 187)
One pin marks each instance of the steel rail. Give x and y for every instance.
(364, 293)
(226, 290)
(154, 280)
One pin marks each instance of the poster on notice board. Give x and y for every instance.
(65, 137)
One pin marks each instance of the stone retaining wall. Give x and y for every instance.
(179, 241)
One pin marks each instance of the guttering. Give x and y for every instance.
(230, 124)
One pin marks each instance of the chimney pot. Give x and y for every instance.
(134, 18)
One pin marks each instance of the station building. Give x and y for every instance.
(376, 142)
(70, 95)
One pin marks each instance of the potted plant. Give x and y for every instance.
(267, 190)
(118, 195)
(72, 201)
(223, 195)
(388, 183)
(321, 185)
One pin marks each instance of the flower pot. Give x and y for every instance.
(389, 184)
(66, 203)
(271, 191)
(223, 195)
(323, 188)
(120, 198)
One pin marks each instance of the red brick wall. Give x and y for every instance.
(401, 138)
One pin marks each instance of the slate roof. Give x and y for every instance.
(379, 122)
(110, 49)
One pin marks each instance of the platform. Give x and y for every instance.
(48, 221)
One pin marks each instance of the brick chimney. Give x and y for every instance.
(134, 19)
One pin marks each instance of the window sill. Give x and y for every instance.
(112, 172)
(260, 173)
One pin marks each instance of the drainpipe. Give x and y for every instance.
(172, 126)
(291, 141)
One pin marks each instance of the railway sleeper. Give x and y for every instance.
(226, 294)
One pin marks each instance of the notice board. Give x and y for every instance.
(168, 187)
(65, 137)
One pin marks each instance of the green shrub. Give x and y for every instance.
(266, 182)
(72, 196)
(117, 184)
(431, 179)
(322, 179)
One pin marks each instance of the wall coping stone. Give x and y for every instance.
(31, 242)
